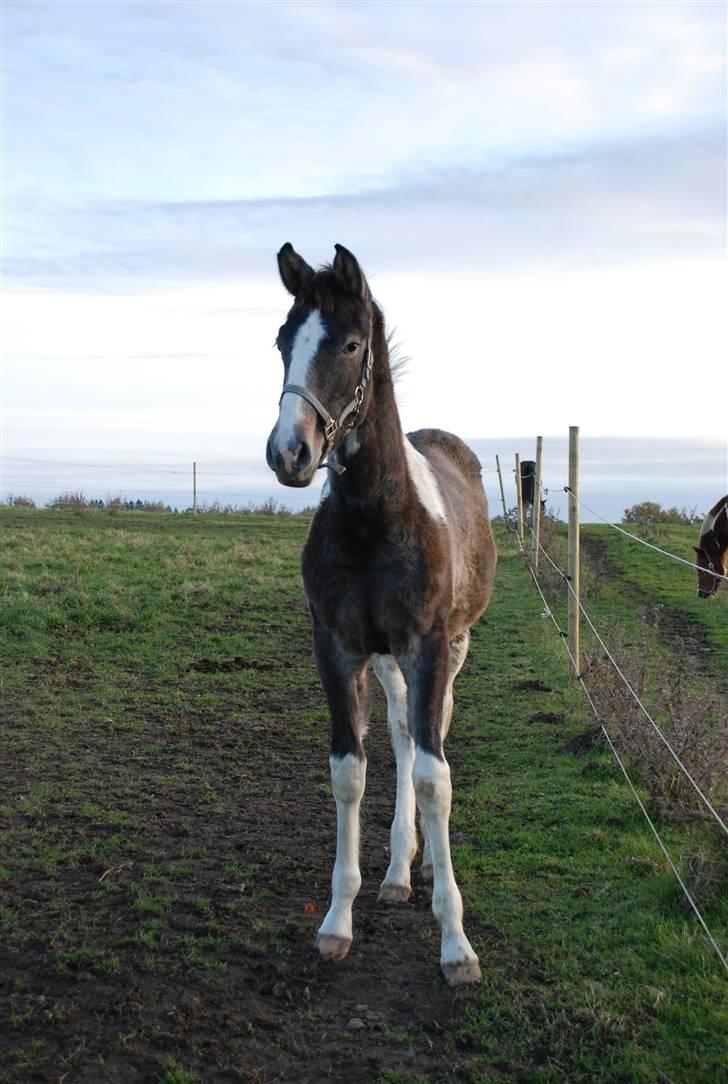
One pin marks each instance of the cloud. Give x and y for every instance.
(619, 203)
(221, 101)
(561, 160)
(183, 142)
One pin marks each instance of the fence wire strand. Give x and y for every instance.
(706, 802)
(642, 541)
(673, 867)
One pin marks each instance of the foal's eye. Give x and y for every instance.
(351, 347)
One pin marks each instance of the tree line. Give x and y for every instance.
(76, 500)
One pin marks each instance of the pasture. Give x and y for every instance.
(649, 578)
(167, 831)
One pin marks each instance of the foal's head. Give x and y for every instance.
(708, 563)
(325, 344)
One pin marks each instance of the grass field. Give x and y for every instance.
(649, 578)
(167, 832)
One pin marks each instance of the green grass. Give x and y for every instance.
(652, 579)
(177, 1075)
(151, 665)
(574, 884)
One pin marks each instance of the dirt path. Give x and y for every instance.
(137, 979)
(304, 1017)
(167, 834)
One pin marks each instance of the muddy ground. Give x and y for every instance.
(124, 1000)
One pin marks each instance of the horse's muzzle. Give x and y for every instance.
(293, 461)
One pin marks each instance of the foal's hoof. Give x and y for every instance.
(389, 892)
(462, 972)
(331, 947)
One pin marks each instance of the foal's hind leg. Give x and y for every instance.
(346, 685)
(426, 672)
(396, 887)
(457, 652)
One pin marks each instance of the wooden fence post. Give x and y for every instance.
(503, 496)
(519, 498)
(536, 509)
(573, 549)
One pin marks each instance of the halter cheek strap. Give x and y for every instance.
(334, 426)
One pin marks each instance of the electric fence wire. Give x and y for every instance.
(723, 957)
(131, 468)
(146, 467)
(706, 802)
(642, 541)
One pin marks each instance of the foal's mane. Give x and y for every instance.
(398, 361)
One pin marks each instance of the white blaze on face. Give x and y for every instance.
(425, 482)
(708, 524)
(306, 345)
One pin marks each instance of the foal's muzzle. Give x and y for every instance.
(294, 461)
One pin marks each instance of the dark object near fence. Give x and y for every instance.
(528, 480)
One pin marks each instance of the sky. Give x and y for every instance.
(536, 191)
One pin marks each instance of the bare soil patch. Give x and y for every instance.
(259, 1006)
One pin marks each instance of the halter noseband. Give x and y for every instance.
(334, 426)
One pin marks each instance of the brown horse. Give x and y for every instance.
(712, 549)
(398, 564)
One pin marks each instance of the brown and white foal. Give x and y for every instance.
(712, 549)
(398, 564)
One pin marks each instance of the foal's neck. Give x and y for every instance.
(375, 480)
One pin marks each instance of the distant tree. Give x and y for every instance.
(145, 506)
(19, 500)
(75, 499)
(267, 507)
(652, 512)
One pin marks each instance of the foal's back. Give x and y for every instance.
(457, 472)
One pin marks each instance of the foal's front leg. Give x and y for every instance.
(345, 683)
(427, 679)
(396, 886)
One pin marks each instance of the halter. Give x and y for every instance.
(334, 426)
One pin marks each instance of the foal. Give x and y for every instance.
(712, 549)
(398, 564)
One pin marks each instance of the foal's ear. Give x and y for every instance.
(698, 550)
(349, 274)
(294, 270)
